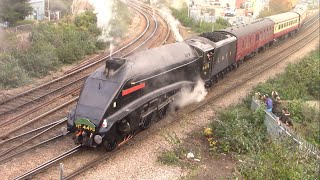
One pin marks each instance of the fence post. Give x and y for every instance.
(61, 171)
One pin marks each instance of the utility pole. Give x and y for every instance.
(49, 10)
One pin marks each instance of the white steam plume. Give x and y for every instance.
(188, 95)
(167, 15)
(173, 23)
(103, 9)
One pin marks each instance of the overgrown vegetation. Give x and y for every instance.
(235, 128)
(13, 11)
(198, 26)
(51, 44)
(279, 161)
(300, 83)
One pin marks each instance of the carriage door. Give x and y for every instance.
(207, 61)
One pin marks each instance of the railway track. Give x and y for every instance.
(74, 78)
(15, 150)
(243, 75)
(70, 91)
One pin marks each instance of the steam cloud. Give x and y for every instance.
(173, 23)
(103, 9)
(167, 15)
(188, 96)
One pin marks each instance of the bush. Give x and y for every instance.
(239, 130)
(11, 74)
(38, 60)
(280, 161)
(301, 81)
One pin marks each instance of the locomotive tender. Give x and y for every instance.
(129, 94)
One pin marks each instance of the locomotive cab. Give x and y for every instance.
(217, 52)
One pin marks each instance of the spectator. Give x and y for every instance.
(268, 102)
(285, 116)
(277, 106)
(289, 123)
(274, 95)
(258, 96)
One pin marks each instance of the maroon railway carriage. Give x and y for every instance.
(251, 37)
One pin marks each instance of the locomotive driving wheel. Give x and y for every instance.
(146, 121)
(163, 111)
(110, 145)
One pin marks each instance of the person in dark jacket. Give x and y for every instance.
(285, 116)
(277, 107)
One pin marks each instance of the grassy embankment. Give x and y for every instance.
(240, 133)
(53, 44)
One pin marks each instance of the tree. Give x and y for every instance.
(12, 11)
(277, 7)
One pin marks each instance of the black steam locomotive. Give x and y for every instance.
(128, 94)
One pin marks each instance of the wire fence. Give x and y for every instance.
(277, 129)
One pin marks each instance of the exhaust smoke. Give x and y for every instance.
(103, 10)
(189, 95)
(173, 23)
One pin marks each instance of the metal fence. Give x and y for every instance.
(277, 129)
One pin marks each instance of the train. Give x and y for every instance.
(128, 94)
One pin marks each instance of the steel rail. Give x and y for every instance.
(157, 13)
(48, 163)
(154, 31)
(31, 138)
(15, 154)
(32, 131)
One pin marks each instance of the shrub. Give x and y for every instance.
(280, 161)
(301, 80)
(239, 130)
(11, 74)
(38, 60)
